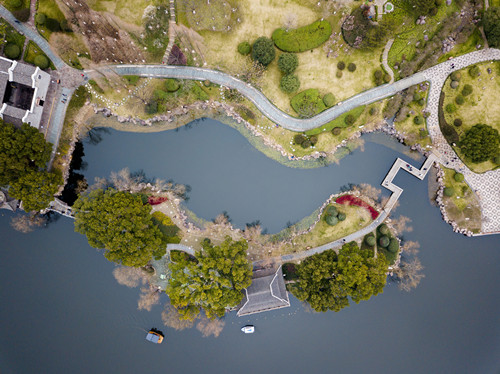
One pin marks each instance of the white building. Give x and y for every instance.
(23, 89)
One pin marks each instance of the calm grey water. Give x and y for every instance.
(62, 311)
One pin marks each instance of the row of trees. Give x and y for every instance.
(24, 155)
(326, 281)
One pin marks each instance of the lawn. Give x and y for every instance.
(405, 42)
(463, 207)
(12, 36)
(322, 233)
(51, 10)
(22, 13)
(482, 106)
(129, 11)
(469, 46)
(33, 50)
(315, 69)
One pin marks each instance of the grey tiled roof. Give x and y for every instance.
(4, 65)
(264, 294)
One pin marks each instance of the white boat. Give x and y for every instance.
(248, 329)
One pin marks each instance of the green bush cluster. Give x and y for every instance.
(448, 191)
(329, 100)
(459, 177)
(41, 61)
(244, 48)
(288, 62)
(12, 51)
(474, 71)
(467, 90)
(304, 38)
(418, 120)
(459, 100)
(308, 103)
(289, 83)
(333, 216)
(263, 51)
(457, 122)
(480, 143)
(305, 141)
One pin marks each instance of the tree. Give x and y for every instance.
(459, 177)
(40, 18)
(121, 223)
(383, 241)
(36, 189)
(370, 240)
(244, 48)
(459, 100)
(288, 62)
(480, 143)
(289, 83)
(418, 120)
(467, 90)
(448, 191)
(351, 67)
(349, 119)
(41, 61)
(341, 65)
(12, 51)
(263, 51)
(491, 24)
(327, 280)
(331, 220)
(21, 150)
(213, 282)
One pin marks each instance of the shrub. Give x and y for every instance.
(151, 107)
(306, 144)
(351, 67)
(289, 83)
(418, 120)
(454, 84)
(450, 108)
(172, 85)
(244, 48)
(338, 74)
(384, 241)
(373, 111)
(457, 122)
(349, 120)
(332, 211)
(393, 245)
(52, 24)
(456, 76)
(341, 217)
(307, 103)
(331, 220)
(448, 191)
(421, 102)
(304, 38)
(474, 71)
(15, 3)
(417, 96)
(22, 15)
(460, 100)
(480, 143)
(41, 61)
(341, 65)
(383, 229)
(496, 160)
(299, 139)
(433, 11)
(12, 51)
(378, 74)
(370, 240)
(336, 130)
(329, 100)
(467, 90)
(263, 51)
(40, 18)
(459, 177)
(387, 78)
(313, 139)
(288, 62)
(491, 24)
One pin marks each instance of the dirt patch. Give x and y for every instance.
(105, 40)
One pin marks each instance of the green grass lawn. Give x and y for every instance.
(12, 36)
(461, 49)
(51, 10)
(130, 11)
(482, 106)
(33, 50)
(463, 207)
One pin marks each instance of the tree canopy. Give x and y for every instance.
(327, 280)
(21, 150)
(213, 283)
(491, 23)
(121, 223)
(480, 143)
(288, 62)
(35, 189)
(263, 51)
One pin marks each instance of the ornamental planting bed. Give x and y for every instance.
(353, 200)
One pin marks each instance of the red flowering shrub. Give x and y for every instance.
(155, 200)
(353, 200)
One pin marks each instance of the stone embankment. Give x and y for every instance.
(442, 207)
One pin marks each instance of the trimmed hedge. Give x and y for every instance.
(244, 48)
(12, 51)
(172, 85)
(332, 211)
(341, 216)
(341, 65)
(304, 38)
(384, 241)
(393, 245)
(467, 90)
(41, 61)
(383, 229)
(288, 62)
(460, 100)
(329, 100)
(370, 240)
(457, 122)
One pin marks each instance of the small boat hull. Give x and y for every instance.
(249, 329)
(154, 337)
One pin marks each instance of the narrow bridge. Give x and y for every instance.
(60, 207)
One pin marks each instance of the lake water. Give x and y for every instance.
(63, 312)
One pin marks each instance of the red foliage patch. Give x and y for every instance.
(353, 200)
(155, 200)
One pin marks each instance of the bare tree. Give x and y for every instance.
(148, 297)
(27, 223)
(410, 247)
(370, 191)
(210, 326)
(401, 224)
(409, 274)
(130, 277)
(171, 318)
